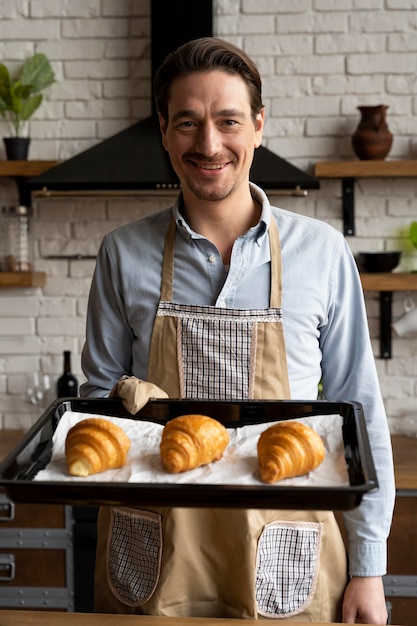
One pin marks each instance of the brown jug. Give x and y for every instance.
(372, 139)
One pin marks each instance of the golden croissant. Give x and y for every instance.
(95, 445)
(189, 441)
(288, 449)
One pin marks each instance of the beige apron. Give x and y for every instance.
(220, 562)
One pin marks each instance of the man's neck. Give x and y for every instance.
(222, 222)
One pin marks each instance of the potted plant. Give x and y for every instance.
(20, 98)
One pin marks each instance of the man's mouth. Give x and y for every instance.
(210, 166)
(206, 164)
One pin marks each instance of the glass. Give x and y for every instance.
(15, 244)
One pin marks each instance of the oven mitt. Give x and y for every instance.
(135, 393)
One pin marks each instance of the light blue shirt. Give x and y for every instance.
(324, 316)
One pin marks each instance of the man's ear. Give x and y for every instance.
(259, 127)
(162, 128)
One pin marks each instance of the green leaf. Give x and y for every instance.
(3, 106)
(37, 73)
(413, 233)
(29, 106)
(21, 91)
(15, 100)
(4, 83)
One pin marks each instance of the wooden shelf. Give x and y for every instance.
(13, 169)
(365, 169)
(389, 282)
(21, 171)
(22, 279)
(348, 171)
(386, 283)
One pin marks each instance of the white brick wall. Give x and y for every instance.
(319, 60)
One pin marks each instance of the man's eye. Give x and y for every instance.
(229, 122)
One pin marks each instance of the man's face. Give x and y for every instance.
(210, 135)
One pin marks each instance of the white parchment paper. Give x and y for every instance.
(239, 465)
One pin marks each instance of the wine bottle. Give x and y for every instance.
(67, 385)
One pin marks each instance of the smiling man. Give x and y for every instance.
(223, 296)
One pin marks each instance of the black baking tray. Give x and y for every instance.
(34, 452)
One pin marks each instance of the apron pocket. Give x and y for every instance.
(287, 567)
(134, 555)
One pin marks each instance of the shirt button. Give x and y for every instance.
(222, 304)
(212, 258)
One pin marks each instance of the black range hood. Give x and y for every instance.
(135, 159)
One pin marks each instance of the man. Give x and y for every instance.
(272, 303)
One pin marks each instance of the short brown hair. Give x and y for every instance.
(205, 55)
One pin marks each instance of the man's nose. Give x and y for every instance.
(208, 140)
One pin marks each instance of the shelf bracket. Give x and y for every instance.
(348, 199)
(385, 312)
(25, 195)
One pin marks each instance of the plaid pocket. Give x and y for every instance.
(134, 555)
(287, 567)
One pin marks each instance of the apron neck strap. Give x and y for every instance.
(168, 262)
(276, 274)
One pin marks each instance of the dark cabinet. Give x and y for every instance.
(36, 556)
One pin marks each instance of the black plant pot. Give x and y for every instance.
(17, 148)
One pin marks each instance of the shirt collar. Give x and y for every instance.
(257, 232)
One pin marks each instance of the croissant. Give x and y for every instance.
(288, 449)
(189, 441)
(95, 445)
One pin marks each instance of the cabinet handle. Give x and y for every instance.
(7, 567)
(7, 510)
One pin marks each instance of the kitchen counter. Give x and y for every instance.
(8, 439)
(400, 583)
(43, 618)
(405, 462)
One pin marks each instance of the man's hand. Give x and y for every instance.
(364, 601)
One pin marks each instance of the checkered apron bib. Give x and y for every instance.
(201, 562)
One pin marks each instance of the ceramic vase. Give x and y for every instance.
(372, 139)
